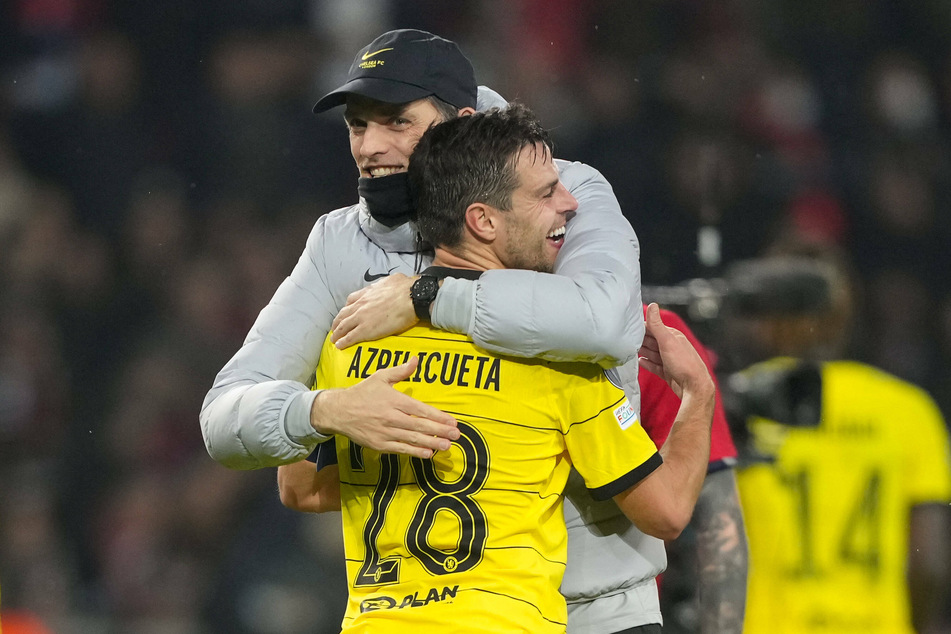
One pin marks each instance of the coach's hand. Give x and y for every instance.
(378, 310)
(375, 415)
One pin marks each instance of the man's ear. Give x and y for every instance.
(482, 221)
(465, 112)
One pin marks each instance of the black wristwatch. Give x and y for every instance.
(423, 293)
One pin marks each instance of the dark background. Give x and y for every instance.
(160, 169)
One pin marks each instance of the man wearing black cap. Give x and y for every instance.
(424, 78)
(260, 412)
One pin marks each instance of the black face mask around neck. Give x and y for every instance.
(388, 198)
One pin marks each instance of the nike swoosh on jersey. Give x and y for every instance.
(368, 54)
(369, 277)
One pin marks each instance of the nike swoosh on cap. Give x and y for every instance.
(368, 54)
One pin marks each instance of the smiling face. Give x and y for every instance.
(383, 135)
(533, 230)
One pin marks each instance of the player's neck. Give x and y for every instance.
(462, 258)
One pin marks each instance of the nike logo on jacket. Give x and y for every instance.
(369, 277)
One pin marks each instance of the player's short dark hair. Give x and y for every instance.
(466, 160)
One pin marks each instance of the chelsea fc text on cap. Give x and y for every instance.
(406, 65)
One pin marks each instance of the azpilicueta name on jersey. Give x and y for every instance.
(448, 368)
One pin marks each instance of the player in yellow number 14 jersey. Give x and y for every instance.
(847, 519)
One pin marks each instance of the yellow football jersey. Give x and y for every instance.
(828, 521)
(474, 539)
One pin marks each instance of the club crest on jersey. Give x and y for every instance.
(409, 601)
(625, 415)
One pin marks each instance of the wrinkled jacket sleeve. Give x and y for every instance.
(590, 310)
(261, 393)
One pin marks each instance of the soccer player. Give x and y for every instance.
(594, 528)
(848, 519)
(475, 537)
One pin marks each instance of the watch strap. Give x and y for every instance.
(441, 272)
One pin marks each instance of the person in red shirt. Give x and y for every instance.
(659, 404)
(720, 555)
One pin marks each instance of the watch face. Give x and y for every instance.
(425, 288)
(423, 293)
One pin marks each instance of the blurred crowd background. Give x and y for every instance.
(160, 169)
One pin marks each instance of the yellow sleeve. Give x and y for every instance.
(928, 477)
(605, 439)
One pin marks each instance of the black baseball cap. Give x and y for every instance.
(406, 65)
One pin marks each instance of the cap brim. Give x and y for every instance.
(385, 90)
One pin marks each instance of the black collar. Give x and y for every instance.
(440, 272)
